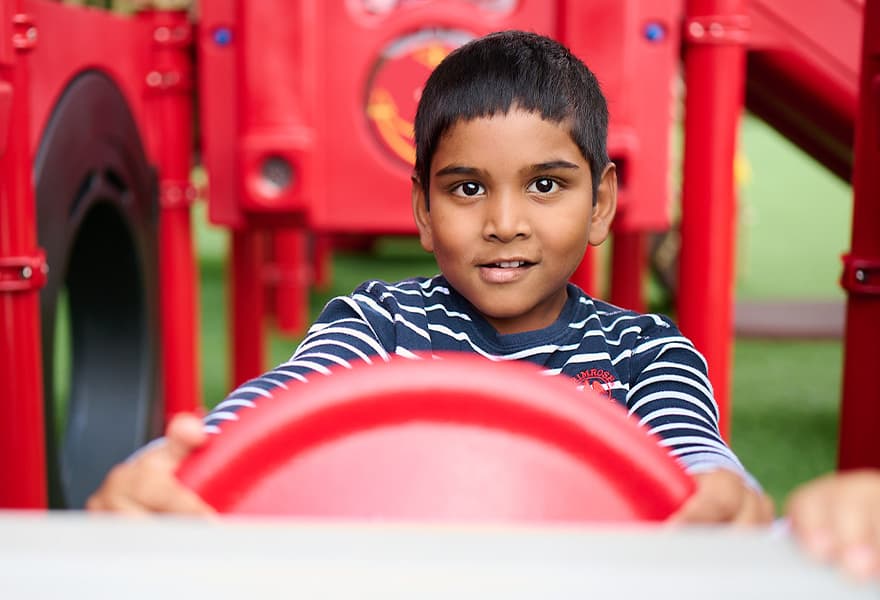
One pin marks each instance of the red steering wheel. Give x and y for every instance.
(456, 438)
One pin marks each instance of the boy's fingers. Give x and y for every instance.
(122, 506)
(837, 518)
(850, 523)
(717, 498)
(856, 540)
(148, 482)
(111, 496)
(810, 518)
(863, 561)
(171, 496)
(699, 509)
(185, 433)
(147, 487)
(807, 508)
(756, 509)
(765, 511)
(769, 507)
(721, 497)
(187, 503)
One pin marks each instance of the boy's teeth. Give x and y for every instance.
(510, 264)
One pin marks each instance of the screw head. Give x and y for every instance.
(655, 32)
(154, 79)
(222, 36)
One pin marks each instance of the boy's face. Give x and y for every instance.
(511, 214)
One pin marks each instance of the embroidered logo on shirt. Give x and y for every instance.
(598, 380)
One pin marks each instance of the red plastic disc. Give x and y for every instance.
(456, 438)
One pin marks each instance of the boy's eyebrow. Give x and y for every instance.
(458, 170)
(536, 168)
(551, 165)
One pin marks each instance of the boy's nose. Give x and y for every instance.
(506, 218)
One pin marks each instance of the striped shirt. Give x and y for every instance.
(640, 361)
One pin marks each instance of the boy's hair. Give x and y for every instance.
(492, 74)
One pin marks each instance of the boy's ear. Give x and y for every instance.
(421, 215)
(605, 205)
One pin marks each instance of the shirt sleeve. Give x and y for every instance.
(348, 330)
(670, 394)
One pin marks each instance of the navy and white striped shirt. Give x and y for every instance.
(641, 361)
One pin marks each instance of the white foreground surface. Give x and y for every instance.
(74, 555)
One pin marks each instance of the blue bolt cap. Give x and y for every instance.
(655, 32)
(222, 36)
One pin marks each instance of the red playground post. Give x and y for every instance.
(859, 444)
(715, 34)
(170, 119)
(22, 274)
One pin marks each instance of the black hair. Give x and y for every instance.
(492, 74)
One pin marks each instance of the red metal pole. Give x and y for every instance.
(170, 123)
(585, 276)
(322, 260)
(247, 305)
(628, 266)
(22, 273)
(715, 35)
(860, 409)
(291, 279)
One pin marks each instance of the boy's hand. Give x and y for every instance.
(722, 496)
(147, 483)
(837, 518)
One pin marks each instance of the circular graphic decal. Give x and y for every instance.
(395, 86)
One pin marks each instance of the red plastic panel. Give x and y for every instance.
(146, 56)
(825, 37)
(310, 103)
(803, 74)
(460, 438)
(73, 39)
(634, 49)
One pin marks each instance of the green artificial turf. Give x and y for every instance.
(785, 402)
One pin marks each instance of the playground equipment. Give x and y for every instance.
(456, 437)
(95, 216)
(860, 409)
(318, 138)
(304, 105)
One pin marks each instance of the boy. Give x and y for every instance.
(512, 181)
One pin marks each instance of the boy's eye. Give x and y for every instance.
(468, 188)
(543, 186)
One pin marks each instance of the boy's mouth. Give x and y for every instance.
(504, 271)
(507, 264)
